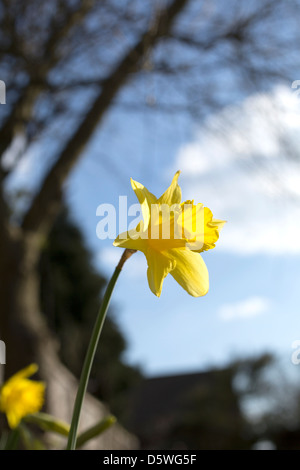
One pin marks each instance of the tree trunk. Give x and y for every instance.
(28, 339)
(21, 325)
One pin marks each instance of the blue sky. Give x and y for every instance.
(234, 164)
(252, 304)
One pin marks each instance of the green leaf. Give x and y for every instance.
(95, 431)
(48, 423)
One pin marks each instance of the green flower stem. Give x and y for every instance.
(12, 439)
(88, 362)
(48, 423)
(94, 431)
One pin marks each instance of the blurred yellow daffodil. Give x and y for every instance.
(20, 396)
(171, 236)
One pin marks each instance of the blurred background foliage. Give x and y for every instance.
(249, 404)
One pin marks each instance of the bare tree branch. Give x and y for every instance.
(22, 110)
(45, 203)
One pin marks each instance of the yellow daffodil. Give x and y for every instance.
(20, 396)
(171, 236)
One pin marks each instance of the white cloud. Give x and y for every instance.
(248, 308)
(237, 166)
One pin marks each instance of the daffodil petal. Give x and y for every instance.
(173, 194)
(26, 372)
(190, 271)
(133, 239)
(158, 268)
(191, 222)
(145, 198)
(13, 419)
